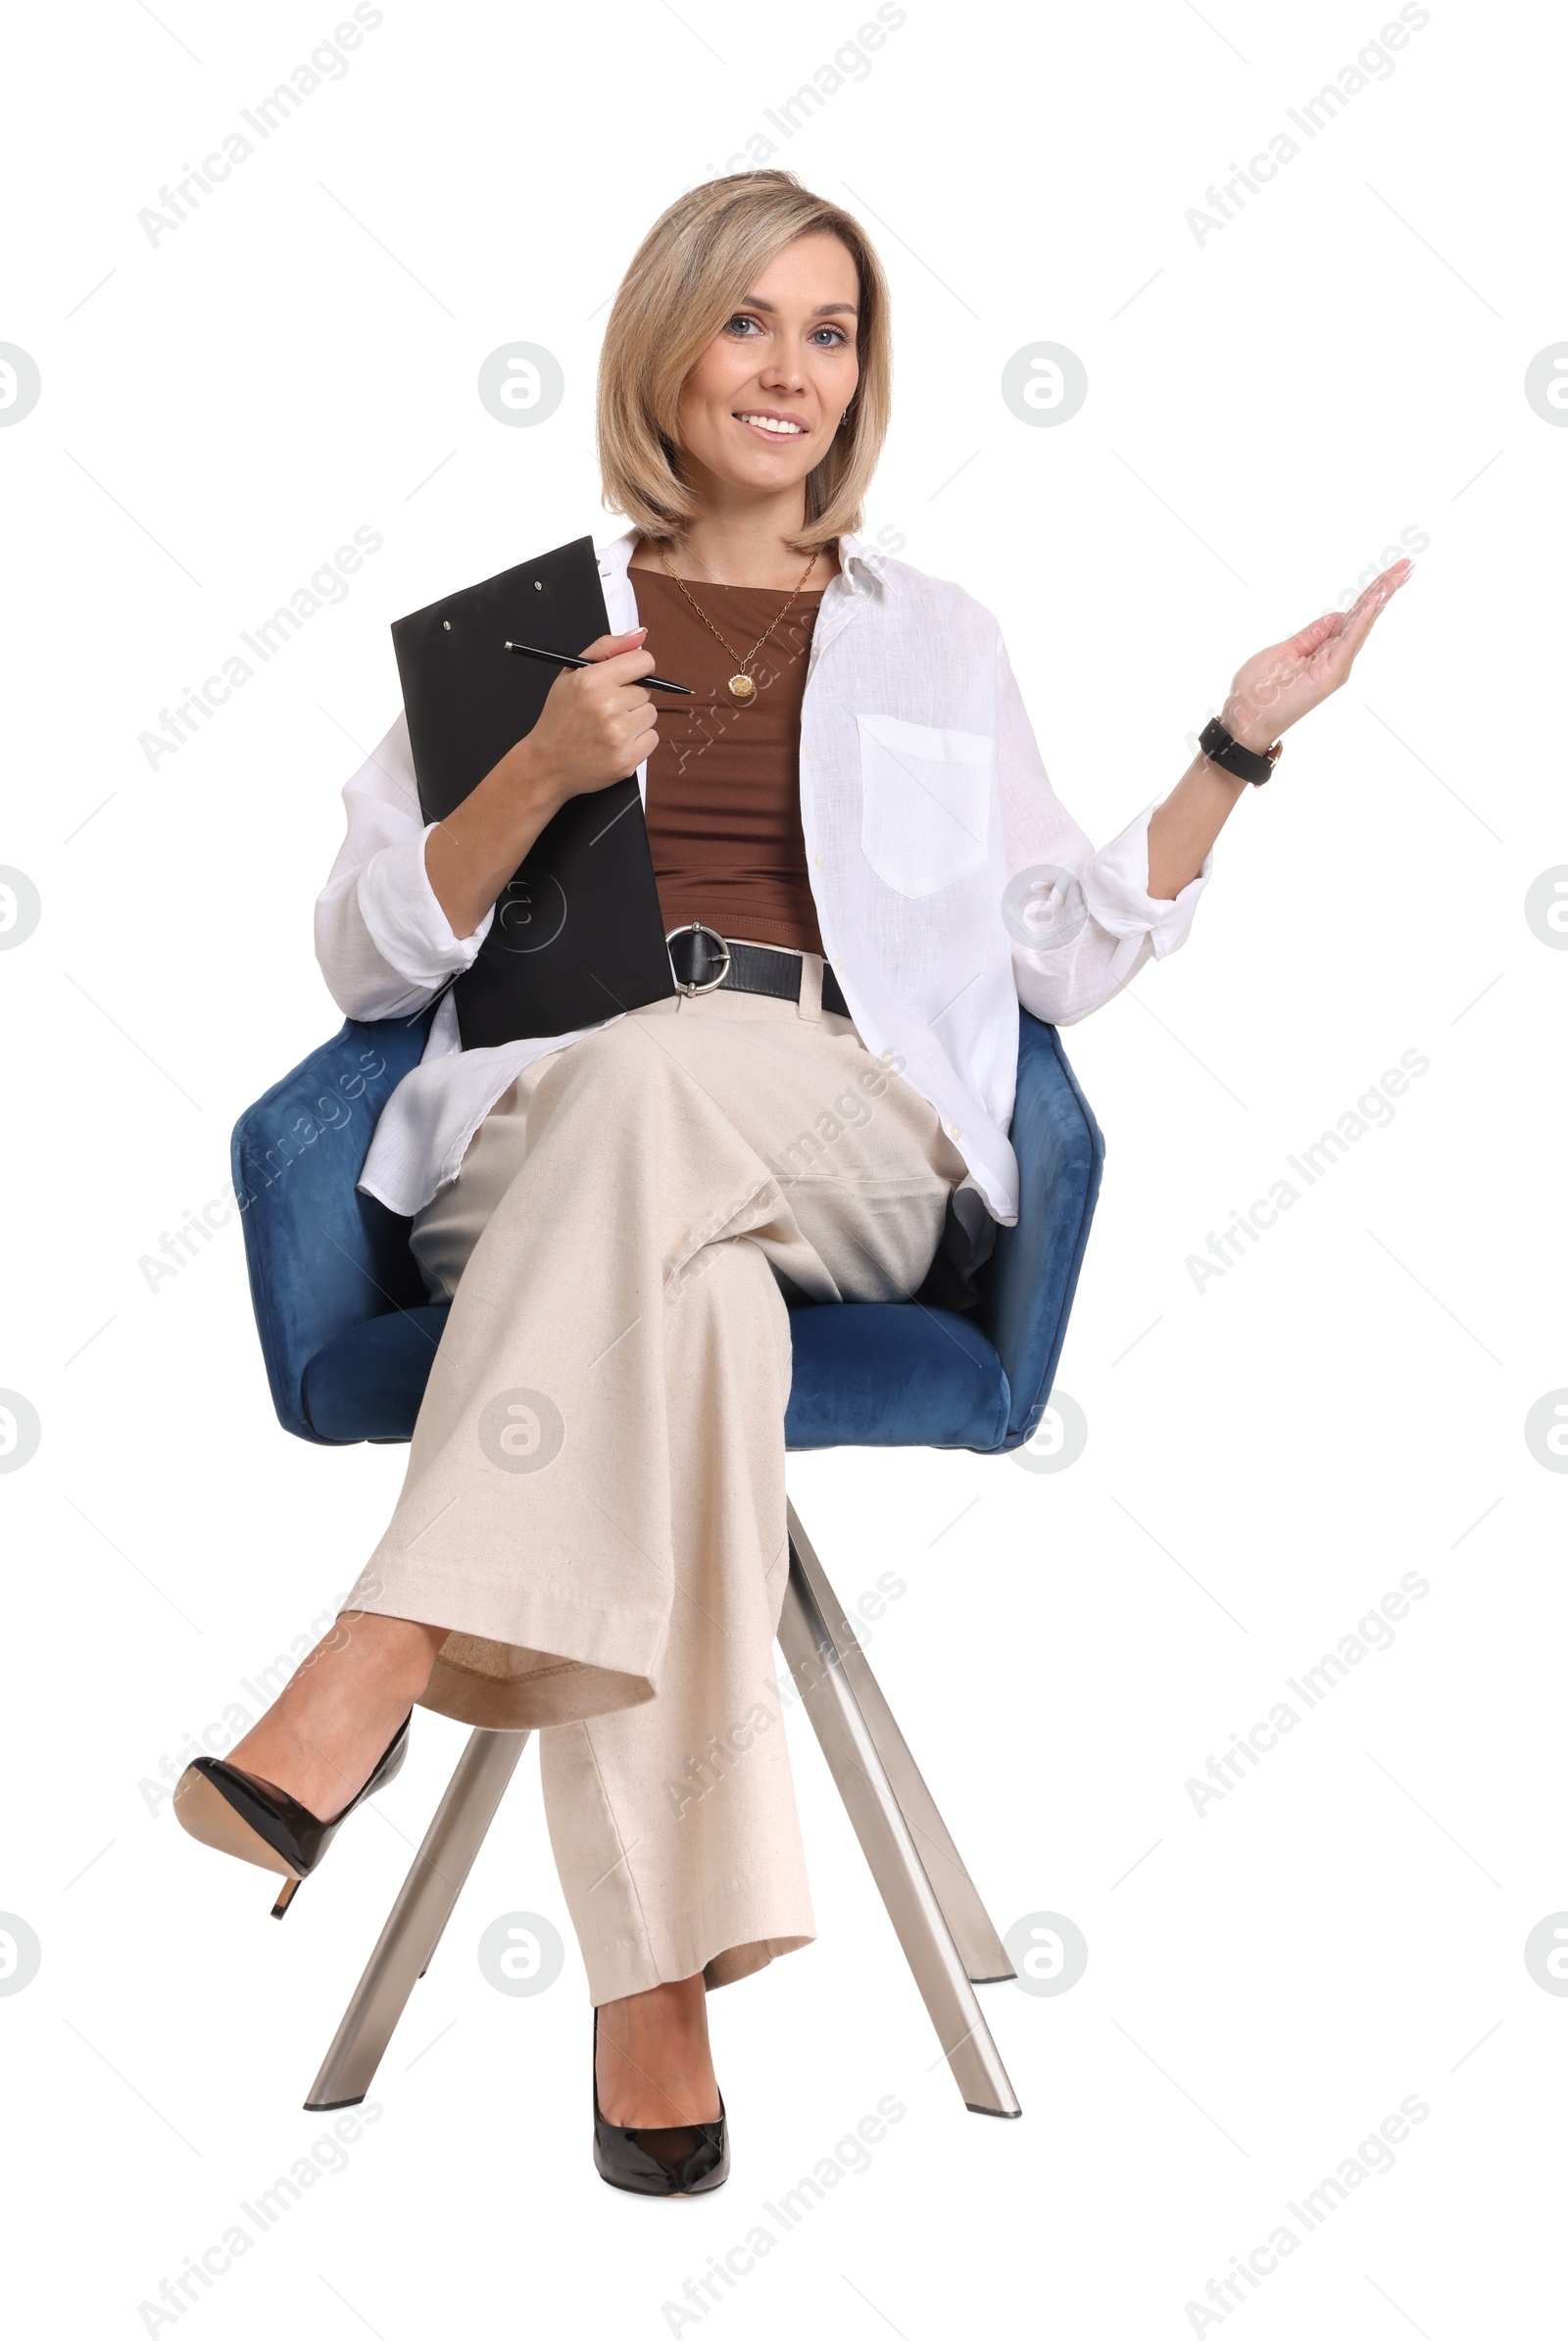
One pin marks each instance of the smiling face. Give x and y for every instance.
(760, 407)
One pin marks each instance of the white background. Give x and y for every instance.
(1267, 410)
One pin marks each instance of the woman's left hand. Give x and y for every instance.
(1281, 685)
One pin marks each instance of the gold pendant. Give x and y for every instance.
(741, 686)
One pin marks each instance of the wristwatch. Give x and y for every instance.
(1216, 743)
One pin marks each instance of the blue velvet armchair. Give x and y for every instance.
(348, 1333)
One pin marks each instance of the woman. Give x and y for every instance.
(591, 1535)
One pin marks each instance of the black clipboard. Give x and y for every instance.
(577, 933)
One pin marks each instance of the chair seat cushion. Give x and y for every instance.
(883, 1375)
(367, 1383)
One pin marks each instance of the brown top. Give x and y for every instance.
(723, 784)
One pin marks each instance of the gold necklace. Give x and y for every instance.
(741, 686)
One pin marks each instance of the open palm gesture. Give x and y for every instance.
(1282, 684)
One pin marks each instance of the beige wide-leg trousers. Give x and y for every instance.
(595, 1500)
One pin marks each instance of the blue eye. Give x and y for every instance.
(742, 326)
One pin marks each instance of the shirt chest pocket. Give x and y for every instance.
(925, 803)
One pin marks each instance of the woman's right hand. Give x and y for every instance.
(597, 725)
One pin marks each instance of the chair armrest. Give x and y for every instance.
(321, 1257)
(1034, 1269)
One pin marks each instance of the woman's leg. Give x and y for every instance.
(324, 1733)
(321, 1738)
(673, 1823)
(653, 2065)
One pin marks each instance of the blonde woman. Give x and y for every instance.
(621, 1215)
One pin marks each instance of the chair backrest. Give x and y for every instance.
(324, 1259)
(1027, 1294)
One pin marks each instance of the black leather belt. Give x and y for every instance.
(703, 961)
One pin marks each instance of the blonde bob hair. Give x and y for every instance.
(691, 271)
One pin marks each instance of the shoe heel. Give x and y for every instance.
(235, 1812)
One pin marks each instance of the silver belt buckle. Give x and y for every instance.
(695, 927)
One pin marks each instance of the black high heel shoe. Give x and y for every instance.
(231, 1810)
(691, 2160)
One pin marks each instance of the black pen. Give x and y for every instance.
(652, 682)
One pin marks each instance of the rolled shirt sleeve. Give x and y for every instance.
(384, 944)
(1098, 905)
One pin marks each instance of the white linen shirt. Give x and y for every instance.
(922, 794)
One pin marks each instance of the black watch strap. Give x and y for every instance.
(1216, 743)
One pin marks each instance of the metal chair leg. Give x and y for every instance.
(823, 1661)
(968, 1921)
(417, 1918)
